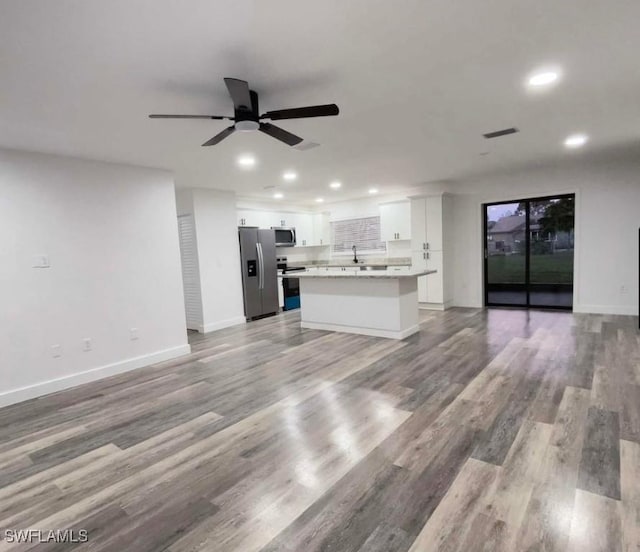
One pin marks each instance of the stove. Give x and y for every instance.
(290, 286)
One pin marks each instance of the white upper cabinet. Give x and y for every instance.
(284, 219)
(395, 221)
(321, 229)
(311, 228)
(248, 217)
(434, 207)
(266, 219)
(303, 223)
(426, 223)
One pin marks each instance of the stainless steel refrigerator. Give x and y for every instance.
(259, 271)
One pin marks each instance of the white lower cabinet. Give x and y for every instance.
(280, 293)
(435, 282)
(430, 287)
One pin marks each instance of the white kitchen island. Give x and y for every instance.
(381, 303)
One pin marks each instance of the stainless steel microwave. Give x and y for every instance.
(285, 236)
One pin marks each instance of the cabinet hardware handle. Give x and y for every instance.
(424, 255)
(427, 245)
(424, 246)
(427, 255)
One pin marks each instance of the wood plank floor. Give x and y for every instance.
(488, 430)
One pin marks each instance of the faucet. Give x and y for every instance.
(355, 257)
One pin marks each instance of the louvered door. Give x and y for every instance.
(190, 272)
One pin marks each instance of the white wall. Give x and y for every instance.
(607, 221)
(110, 234)
(218, 255)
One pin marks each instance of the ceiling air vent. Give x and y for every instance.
(497, 133)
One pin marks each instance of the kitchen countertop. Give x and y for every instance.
(357, 273)
(376, 261)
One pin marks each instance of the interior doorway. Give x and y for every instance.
(528, 252)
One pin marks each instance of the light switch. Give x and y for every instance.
(41, 261)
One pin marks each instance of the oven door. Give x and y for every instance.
(291, 288)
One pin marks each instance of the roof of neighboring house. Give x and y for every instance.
(507, 225)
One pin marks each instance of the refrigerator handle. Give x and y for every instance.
(260, 266)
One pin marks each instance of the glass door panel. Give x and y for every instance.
(551, 226)
(505, 255)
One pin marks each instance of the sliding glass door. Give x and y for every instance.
(529, 252)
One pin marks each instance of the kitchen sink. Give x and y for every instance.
(377, 267)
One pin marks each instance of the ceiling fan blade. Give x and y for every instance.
(239, 91)
(302, 112)
(220, 136)
(161, 116)
(280, 134)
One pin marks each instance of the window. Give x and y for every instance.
(364, 233)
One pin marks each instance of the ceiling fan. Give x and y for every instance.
(248, 118)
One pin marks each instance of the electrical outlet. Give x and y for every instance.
(133, 334)
(86, 344)
(56, 351)
(623, 290)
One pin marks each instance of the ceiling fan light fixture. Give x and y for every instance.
(247, 126)
(246, 161)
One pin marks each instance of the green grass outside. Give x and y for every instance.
(545, 269)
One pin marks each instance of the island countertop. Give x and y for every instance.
(357, 273)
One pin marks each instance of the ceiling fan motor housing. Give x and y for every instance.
(248, 119)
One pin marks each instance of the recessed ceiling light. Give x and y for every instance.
(319, 200)
(289, 176)
(246, 161)
(576, 140)
(335, 185)
(373, 191)
(278, 195)
(543, 78)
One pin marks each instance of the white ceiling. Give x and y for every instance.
(417, 82)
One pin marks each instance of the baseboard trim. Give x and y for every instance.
(389, 334)
(213, 326)
(59, 384)
(606, 309)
